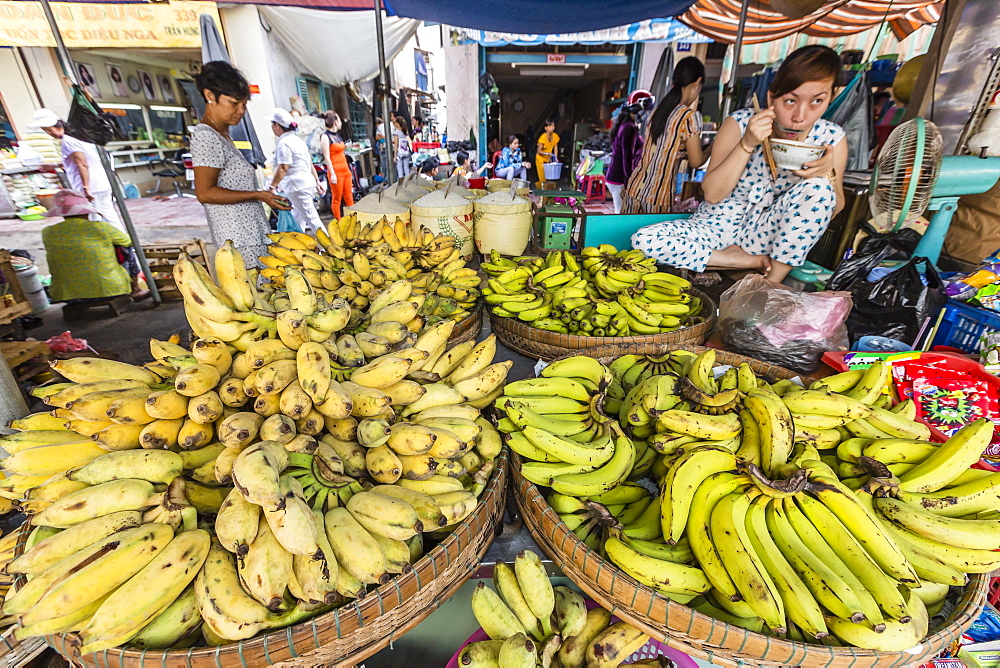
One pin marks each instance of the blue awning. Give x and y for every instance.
(652, 30)
(545, 17)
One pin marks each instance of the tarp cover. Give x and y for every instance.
(337, 47)
(546, 17)
(652, 30)
(719, 19)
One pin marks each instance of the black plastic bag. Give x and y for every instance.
(873, 251)
(897, 304)
(87, 121)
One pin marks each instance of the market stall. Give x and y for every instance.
(326, 462)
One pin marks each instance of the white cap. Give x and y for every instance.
(281, 117)
(44, 118)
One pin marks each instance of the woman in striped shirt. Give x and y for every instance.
(673, 136)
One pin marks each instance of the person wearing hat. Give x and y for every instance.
(82, 163)
(88, 259)
(294, 174)
(626, 144)
(224, 181)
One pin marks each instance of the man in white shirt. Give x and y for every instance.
(83, 166)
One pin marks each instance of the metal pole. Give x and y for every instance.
(727, 103)
(383, 74)
(66, 61)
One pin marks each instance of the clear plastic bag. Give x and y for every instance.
(780, 325)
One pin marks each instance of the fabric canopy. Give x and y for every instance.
(719, 19)
(337, 47)
(870, 41)
(544, 17)
(653, 30)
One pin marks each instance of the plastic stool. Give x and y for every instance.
(590, 185)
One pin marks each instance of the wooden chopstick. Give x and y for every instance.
(767, 143)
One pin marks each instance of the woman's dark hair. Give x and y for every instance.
(687, 71)
(810, 63)
(461, 158)
(429, 165)
(510, 139)
(623, 114)
(402, 125)
(222, 78)
(330, 117)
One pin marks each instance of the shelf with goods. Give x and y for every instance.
(394, 540)
(694, 588)
(32, 171)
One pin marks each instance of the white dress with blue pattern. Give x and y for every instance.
(781, 217)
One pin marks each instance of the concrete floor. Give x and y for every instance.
(173, 220)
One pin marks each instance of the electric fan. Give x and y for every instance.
(911, 177)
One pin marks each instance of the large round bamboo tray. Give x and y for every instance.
(539, 343)
(682, 628)
(348, 635)
(685, 629)
(468, 328)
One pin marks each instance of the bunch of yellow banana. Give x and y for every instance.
(774, 512)
(310, 480)
(231, 310)
(531, 623)
(581, 452)
(355, 262)
(608, 293)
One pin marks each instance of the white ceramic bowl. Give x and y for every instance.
(792, 155)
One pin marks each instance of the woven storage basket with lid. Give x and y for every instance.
(546, 345)
(689, 631)
(444, 212)
(498, 185)
(502, 223)
(373, 207)
(349, 634)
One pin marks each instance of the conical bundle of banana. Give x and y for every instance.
(605, 292)
(532, 623)
(822, 515)
(355, 261)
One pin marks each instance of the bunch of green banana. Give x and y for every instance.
(530, 622)
(605, 293)
(354, 262)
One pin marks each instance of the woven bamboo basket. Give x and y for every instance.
(348, 635)
(505, 227)
(679, 626)
(539, 343)
(468, 328)
(455, 220)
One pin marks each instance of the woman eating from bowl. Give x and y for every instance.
(749, 219)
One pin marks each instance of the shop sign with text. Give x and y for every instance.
(90, 25)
